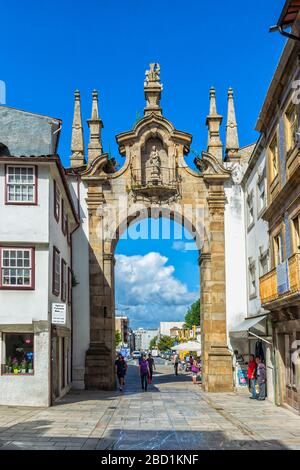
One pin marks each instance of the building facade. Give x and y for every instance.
(122, 325)
(143, 338)
(35, 262)
(278, 124)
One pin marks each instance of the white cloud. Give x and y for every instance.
(184, 246)
(149, 287)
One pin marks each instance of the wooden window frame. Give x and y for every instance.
(31, 249)
(64, 281)
(55, 253)
(6, 185)
(56, 199)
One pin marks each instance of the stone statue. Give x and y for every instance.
(155, 164)
(153, 75)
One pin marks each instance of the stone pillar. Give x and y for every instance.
(217, 360)
(99, 371)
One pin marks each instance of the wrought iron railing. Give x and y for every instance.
(268, 283)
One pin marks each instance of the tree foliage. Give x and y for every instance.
(192, 316)
(165, 342)
(118, 337)
(153, 342)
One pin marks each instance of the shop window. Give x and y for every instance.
(273, 152)
(56, 272)
(21, 184)
(17, 268)
(19, 353)
(57, 201)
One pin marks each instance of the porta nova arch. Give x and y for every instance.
(156, 179)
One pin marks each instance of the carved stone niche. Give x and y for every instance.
(154, 162)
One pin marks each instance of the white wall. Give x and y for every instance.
(81, 304)
(235, 267)
(257, 236)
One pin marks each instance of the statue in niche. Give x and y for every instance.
(155, 164)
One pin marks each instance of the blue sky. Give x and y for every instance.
(48, 49)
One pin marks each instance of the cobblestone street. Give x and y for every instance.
(173, 414)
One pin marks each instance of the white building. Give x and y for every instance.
(143, 338)
(166, 326)
(38, 218)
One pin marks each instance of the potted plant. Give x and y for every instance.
(8, 365)
(23, 367)
(15, 365)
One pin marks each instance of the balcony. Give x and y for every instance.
(281, 284)
(154, 181)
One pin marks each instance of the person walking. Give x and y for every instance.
(176, 362)
(195, 371)
(261, 378)
(252, 376)
(151, 364)
(121, 369)
(144, 372)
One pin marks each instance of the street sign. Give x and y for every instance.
(59, 312)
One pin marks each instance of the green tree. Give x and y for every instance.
(165, 342)
(192, 316)
(153, 342)
(118, 337)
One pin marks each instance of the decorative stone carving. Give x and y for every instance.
(153, 75)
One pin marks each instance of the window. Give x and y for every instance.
(21, 184)
(263, 261)
(250, 209)
(19, 353)
(64, 280)
(56, 201)
(278, 249)
(69, 285)
(64, 218)
(296, 233)
(17, 268)
(261, 187)
(291, 127)
(273, 149)
(56, 272)
(252, 279)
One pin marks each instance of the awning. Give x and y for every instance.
(242, 330)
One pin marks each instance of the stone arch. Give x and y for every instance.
(202, 193)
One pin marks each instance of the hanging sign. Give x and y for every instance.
(59, 313)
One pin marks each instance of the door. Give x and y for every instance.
(290, 344)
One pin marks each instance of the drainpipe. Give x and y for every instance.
(284, 33)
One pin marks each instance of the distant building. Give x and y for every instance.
(143, 338)
(166, 327)
(122, 325)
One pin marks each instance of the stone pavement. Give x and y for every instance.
(174, 414)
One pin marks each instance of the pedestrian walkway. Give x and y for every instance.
(174, 414)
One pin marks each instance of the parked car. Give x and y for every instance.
(136, 354)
